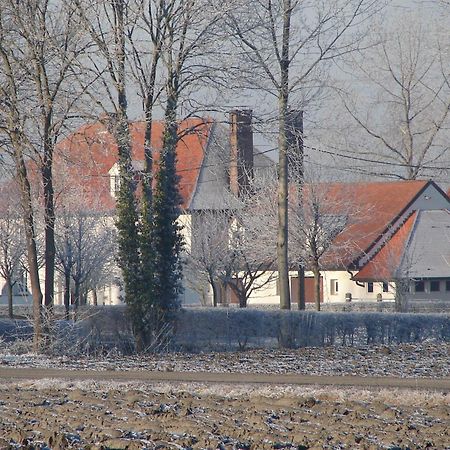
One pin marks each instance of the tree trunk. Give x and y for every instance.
(77, 299)
(286, 336)
(50, 250)
(283, 96)
(242, 299)
(67, 294)
(316, 273)
(94, 298)
(301, 288)
(282, 238)
(216, 292)
(401, 295)
(147, 253)
(84, 297)
(28, 220)
(9, 289)
(148, 112)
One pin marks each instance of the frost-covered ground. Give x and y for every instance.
(98, 415)
(57, 414)
(427, 359)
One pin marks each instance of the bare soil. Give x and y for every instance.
(61, 413)
(380, 397)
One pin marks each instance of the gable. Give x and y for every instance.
(418, 249)
(429, 198)
(372, 208)
(428, 251)
(385, 264)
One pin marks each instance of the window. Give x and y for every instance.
(116, 184)
(385, 286)
(334, 287)
(447, 285)
(419, 286)
(370, 286)
(435, 286)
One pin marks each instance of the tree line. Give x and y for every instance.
(63, 63)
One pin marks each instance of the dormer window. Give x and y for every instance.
(114, 180)
(116, 187)
(114, 176)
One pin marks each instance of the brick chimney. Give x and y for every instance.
(241, 153)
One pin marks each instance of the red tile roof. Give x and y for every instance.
(371, 208)
(384, 265)
(85, 157)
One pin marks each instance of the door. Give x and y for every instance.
(309, 289)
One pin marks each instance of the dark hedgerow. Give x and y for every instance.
(214, 329)
(230, 329)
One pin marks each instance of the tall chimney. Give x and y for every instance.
(241, 153)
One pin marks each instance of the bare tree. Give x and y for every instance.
(286, 45)
(40, 47)
(12, 242)
(315, 223)
(15, 139)
(85, 249)
(251, 266)
(402, 116)
(209, 251)
(94, 249)
(65, 258)
(318, 213)
(46, 47)
(233, 248)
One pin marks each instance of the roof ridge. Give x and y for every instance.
(394, 230)
(377, 182)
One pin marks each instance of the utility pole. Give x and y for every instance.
(296, 175)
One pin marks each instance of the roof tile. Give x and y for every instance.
(372, 207)
(86, 156)
(385, 264)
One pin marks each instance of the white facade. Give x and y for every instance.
(336, 287)
(338, 284)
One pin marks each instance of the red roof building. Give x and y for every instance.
(371, 209)
(382, 219)
(393, 230)
(85, 158)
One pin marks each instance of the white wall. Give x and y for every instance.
(267, 293)
(345, 284)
